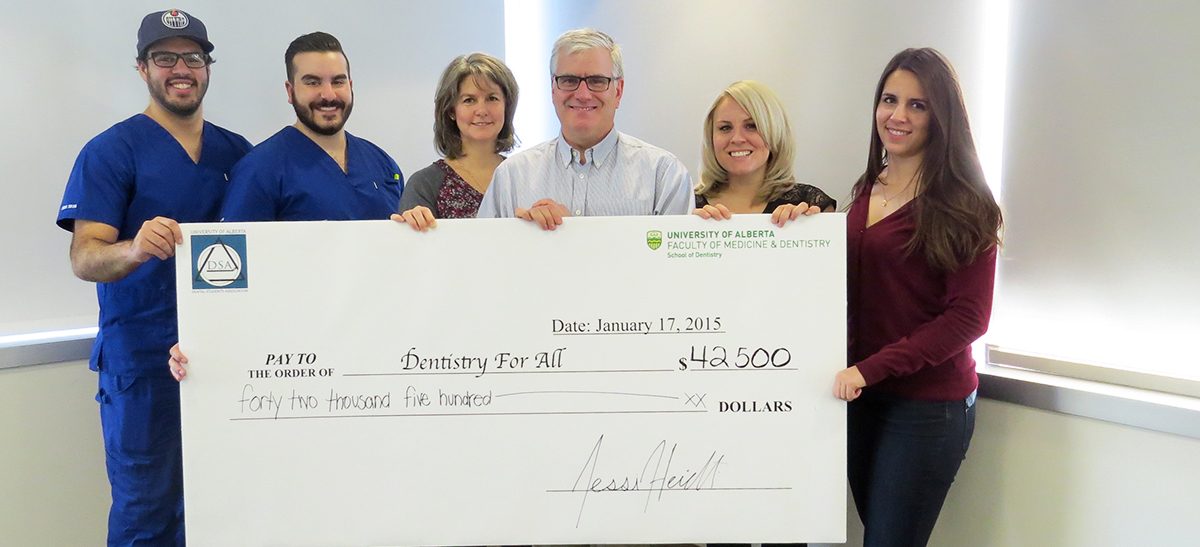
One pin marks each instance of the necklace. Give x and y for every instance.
(463, 166)
(884, 194)
(460, 164)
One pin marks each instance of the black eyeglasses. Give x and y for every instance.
(594, 83)
(167, 59)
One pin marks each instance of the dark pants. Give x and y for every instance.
(902, 456)
(143, 451)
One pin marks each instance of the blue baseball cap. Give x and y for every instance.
(171, 23)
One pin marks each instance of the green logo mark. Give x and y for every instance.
(654, 239)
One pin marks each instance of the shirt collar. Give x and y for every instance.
(595, 155)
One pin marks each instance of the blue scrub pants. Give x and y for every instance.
(144, 454)
(902, 455)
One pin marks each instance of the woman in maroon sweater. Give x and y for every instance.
(922, 233)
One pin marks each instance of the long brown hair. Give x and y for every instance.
(956, 216)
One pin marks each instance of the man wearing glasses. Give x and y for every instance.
(128, 190)
(590, 169)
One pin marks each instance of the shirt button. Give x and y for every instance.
(581, 175)
(578, 212)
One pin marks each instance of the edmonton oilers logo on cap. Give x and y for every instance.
(219, 262)
(174, 19)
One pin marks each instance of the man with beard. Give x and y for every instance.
(314, 169)
(128, 190)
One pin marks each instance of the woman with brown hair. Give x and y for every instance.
(474, 105)
(922, 236)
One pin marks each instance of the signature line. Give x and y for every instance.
(729, 489)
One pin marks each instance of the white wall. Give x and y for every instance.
(53, 486)
(1034, 478)
(1102, 250)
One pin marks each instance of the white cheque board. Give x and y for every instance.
(618, 380)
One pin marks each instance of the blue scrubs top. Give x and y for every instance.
(290, 177)
(125, 176)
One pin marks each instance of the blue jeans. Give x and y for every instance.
(144, 456)
(902, 456)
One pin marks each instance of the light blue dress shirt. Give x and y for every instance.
(622, 176)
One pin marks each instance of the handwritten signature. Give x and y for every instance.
(655, 476)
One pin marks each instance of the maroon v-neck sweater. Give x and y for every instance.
(911, 326)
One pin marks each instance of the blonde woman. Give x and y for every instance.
(748, 154)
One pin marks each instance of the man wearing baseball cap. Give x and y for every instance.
(128, 190)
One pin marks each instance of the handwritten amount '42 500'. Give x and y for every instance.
(747, 358)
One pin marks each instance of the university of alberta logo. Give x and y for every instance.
(219, 262)
(654, 239)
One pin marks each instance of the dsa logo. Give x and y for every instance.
(654, 239)
(219, 262)
(174, 19)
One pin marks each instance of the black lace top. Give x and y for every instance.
(796, 194)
